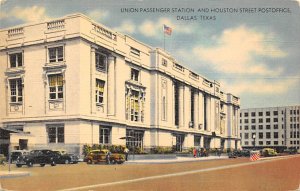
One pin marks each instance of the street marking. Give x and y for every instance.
(171, 175)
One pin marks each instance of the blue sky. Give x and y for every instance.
(255, 56)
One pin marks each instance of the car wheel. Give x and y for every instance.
(89, 161)
(67, 161)
(29, 164)
(53, 163)
(42, 165)
(18, 165)
(113, 161)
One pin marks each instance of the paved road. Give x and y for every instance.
(230, 174)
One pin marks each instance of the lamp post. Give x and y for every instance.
(254, 137)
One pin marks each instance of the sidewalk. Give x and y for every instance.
(175, 160)
(12, 174)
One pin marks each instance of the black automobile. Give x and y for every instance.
(64, 158)
(41, 157)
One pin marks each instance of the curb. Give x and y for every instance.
(178, 160)
(13, 174)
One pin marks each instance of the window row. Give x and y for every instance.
(261, 135)
(55, 54)
(254, 127)
(247, 143)
(268, 120)
(253, 114)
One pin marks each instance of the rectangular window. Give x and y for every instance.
(260, 127)
(56, 54)
(275, 126)
(135, 51)
(276, 135)
(268, 135)
(260, 135)
(136, 139)
(253, 114)
(16, 90)
(16, 60)
(99, 91)
(267, 113)
(245, 114)
(246, 136)
(246, 143)
(253, 121)
(246, 127)
(260, 120)
(275, 120)
(134, 74)
(268, 127)
(135, 106)
(268, 142)
(56, 133)
(260, 113)
(260, 142)
(104, 135)
(268, 120)
(253, 127)
(275, 113)
(197, 140)
(101, 61)
(246, 121)
(56, 86)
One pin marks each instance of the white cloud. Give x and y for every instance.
(237, 50)
(151, 28)
(98, 15)
(260, 86)
(29, 14)
(126, 27)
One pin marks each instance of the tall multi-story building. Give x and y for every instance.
(71, 81)
(274, 127)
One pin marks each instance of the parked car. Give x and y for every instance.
(291, 150)
(2, 159)
(15, 154)
(66, 158)
(41, 157)
(245, 153)
(267, 152)
(96, 156)
(232, 155)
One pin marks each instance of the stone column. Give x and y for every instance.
(111, 85)
(92, 80)
(181, 105)
(196, 109)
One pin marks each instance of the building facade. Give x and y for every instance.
(274, 127)
(72, 81)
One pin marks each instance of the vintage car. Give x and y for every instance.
(2, 159)
(66, 158)
(268, 152)
(96, 156)
(15, 154)
(41, 157)
(291, 150)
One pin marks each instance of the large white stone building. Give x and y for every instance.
(72, 81)
(274, 127)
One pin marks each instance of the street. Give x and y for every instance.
(227, 174)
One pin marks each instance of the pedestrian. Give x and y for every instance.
(195, 152)
(126, 151)
(199, 152)
(108, 157)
